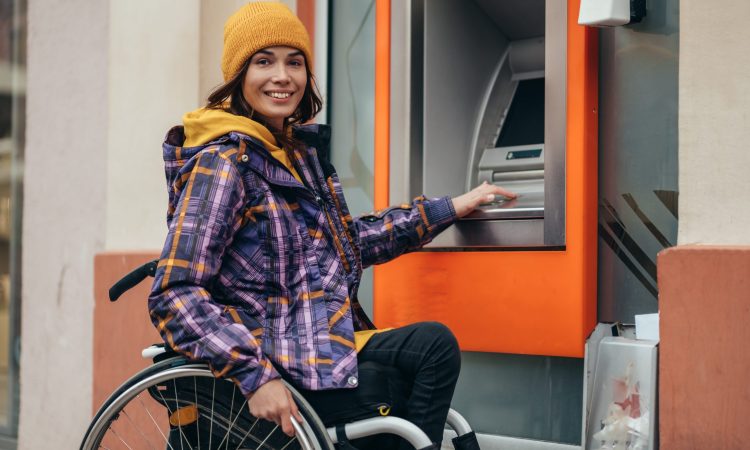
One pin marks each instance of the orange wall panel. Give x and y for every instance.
(528, 302)
(121, 329)
(704, 306)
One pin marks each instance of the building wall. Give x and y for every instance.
(153, 81)
(703, 295)
(64, 215)
(106, 79)
(714, 122)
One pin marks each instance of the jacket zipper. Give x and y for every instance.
(321, 203)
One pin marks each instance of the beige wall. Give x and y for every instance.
(714, 122)
(153, 81)
(64, 216)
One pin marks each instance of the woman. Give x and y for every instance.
(261, 266)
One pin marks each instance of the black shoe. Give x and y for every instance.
(467, 441)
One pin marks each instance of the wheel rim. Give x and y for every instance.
(161, 411)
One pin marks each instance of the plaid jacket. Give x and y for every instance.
(260, 272)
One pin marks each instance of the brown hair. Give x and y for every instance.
(229, 97)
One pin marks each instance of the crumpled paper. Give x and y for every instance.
(627, 421)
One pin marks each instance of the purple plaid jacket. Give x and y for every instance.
(259, 273)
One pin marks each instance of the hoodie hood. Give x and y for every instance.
(182, 143)
(204, 125)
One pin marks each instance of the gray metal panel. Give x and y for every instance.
(492, 442)
(533, 397)
(462, 47)
(400, 111)
(503, 233)
(638, 82)
(506, 15)
(555, 120)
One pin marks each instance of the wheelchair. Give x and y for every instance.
(178, 404)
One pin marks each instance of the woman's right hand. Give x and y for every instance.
(273, 401)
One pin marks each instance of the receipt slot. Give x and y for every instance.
(505, 92)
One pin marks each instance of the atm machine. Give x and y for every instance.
(503, 91)
(484, 116)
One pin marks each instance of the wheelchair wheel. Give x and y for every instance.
(179, 405)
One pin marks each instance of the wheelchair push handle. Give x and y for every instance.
(132, 279)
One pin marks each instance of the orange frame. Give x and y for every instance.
(525, 302)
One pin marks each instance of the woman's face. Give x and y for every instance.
(275, 82)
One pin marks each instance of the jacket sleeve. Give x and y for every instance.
(206, 218)
(389, 233)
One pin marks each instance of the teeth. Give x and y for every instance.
(279, 94)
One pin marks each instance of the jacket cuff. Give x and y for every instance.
(250, 381)
(439, 212)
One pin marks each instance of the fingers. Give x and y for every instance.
(286, 424)
(294, 408)
(489, 191)
(274, 402)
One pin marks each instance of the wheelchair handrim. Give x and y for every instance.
(96, 433)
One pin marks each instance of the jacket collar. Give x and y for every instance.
(316, 138)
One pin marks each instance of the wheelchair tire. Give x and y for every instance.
(179, 405)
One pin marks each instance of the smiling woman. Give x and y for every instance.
(262, 263)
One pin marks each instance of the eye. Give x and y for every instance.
(296, 62)
(262, 61)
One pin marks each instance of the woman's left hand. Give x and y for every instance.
(484, 193)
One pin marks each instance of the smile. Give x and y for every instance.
(279, 94)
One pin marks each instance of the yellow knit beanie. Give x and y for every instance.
(259, 25)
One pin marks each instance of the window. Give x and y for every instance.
(12, 117)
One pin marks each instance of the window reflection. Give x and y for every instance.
(352, 109)
(12, 114)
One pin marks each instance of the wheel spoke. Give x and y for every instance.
(179, 419)
(211, 423)
(231, 410)
(289, 443)
(231, 425)
(247, 433)
(166, 440)
(182, 435)
(125, 413)
(121, 440)
(197, 412)
(269, 435)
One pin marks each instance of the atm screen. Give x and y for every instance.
(525, 122)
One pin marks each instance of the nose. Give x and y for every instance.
(280, 74)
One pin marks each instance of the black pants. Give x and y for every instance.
(427, 355)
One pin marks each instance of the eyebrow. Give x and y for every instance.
(270, 53)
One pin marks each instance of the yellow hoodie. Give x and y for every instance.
(204, 125)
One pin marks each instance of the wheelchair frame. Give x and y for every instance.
(311, 434)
